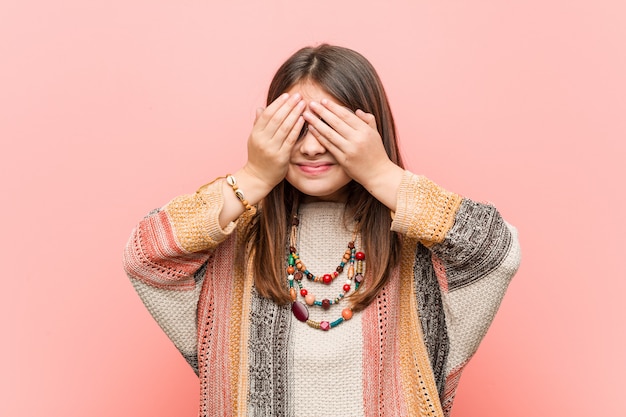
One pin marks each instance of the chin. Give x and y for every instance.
(330, 187)
(322, 194)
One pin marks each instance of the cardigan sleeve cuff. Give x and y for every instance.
(195, 218)
(424, 210)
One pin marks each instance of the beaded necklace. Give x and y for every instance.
(296, 271)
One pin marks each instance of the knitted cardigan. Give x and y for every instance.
(457, 259)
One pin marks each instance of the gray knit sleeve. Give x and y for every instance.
(479, 256)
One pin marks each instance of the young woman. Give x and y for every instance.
(322, 278)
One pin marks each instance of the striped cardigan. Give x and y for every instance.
(458, 257)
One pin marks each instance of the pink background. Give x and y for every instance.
(109, 108)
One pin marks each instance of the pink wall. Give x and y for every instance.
(110, 108)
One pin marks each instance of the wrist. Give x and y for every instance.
(242, 192)
(241, 196)
(383, 184)
(254, 188)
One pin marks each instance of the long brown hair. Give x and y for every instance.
(348, 77)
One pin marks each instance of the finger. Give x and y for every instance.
(294, 117)
(270, 110)
(339, 117)
(367, 118)
(294, 134)
(333, 118)
(323, 129)
(274, 126)
(323, 140)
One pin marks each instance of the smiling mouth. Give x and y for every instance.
(315, 169)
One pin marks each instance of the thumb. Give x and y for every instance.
(259, 111)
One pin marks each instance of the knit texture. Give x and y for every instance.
(401, 356)
(325, 363)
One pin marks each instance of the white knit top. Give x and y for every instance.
(326, 362)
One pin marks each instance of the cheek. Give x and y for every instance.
(294, 152)
(291, 172)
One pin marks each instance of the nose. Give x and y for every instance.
(309, 146)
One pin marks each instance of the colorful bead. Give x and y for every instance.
(336, 322)
(309, 299)
(296, 270)
(300, 311)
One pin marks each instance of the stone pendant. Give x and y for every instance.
(300, 311)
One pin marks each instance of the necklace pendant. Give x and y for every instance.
(300, 311)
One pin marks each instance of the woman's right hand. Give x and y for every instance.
(275, 131)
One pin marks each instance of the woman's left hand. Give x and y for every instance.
(352, 139)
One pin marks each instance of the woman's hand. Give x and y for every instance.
(354, 141)
(275, 131)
